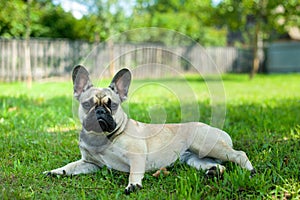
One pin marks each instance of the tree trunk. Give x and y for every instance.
(255, 62)
(27, 47)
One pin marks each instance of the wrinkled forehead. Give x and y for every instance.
(98, 93)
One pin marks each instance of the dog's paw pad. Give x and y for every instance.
(55, 173)
(215, 172)
(131, 188)
(50, 174)
(211, 172)
(47, 173)
(252, 173)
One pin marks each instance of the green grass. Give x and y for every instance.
(39, 132)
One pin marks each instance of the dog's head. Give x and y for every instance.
(99, 108)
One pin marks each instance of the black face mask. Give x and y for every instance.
(105, 119)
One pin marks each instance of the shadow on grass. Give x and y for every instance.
(278, 116)
(248, 124)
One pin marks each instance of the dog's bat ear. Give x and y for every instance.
(121, 82)
(81, 80)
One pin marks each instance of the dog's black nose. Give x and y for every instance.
(100, 110)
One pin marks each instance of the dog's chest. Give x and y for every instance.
(99, 150)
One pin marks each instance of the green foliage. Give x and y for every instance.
(275, 17)
(106, 18)
(12, 18)
(58, 24)
(46, 20)
(203, 21)
(192, 18)
(39, 132)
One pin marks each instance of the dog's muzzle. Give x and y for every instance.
(105, 119)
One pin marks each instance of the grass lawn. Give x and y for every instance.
(39, 132)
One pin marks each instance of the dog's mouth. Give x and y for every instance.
(105, 119)
(104, 125)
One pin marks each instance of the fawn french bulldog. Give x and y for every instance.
(108, 137)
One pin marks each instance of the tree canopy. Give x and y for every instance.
(202, 20)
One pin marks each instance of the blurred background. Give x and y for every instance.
(45, 38)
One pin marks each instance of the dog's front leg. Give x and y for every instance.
(137, 170)
(74, 168)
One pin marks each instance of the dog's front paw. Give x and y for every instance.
(54, 173)
(132, 187)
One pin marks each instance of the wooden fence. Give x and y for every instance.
(57, 58)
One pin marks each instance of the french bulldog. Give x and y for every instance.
(108, 137)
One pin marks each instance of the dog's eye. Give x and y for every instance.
(114, 106)
(86, 105)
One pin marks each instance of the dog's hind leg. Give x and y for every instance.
(225, 152)
(211, 166)
(74, 168)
